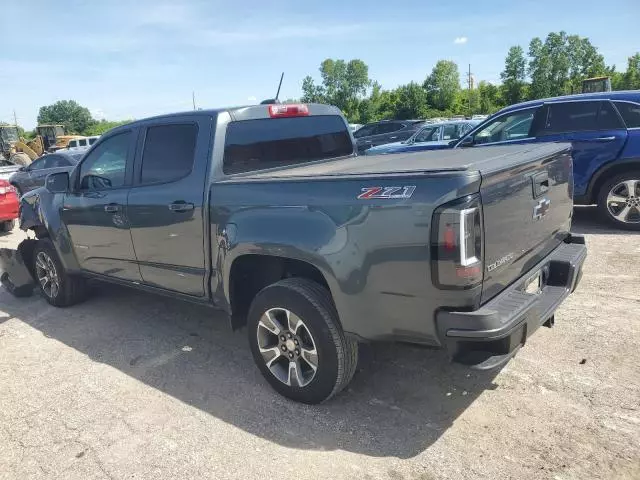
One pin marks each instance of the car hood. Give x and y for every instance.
(408, 147)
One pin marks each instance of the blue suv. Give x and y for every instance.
(604, 129)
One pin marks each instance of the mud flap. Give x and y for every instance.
(15, 266)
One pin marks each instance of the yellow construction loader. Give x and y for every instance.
(18, 151)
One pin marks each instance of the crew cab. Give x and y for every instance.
(266, 213)
(604, 130)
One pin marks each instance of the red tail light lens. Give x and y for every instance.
(288, 110)
(456, 244)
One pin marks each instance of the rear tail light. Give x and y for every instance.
(456, 244)
(288, 110)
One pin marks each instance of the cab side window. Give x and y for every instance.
(105, 166)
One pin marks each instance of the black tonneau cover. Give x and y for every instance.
(472, 159)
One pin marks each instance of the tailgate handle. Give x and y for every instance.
(540, 184)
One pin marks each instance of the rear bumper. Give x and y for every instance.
(488, 337)
(9, 207)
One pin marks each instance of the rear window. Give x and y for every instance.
(630, 113)
(268, 143)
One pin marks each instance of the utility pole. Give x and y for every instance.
(470, 82)
(15, 118)
(193, 97)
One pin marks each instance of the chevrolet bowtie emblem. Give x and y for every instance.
(541, 209)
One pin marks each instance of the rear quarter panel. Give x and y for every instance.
(374, 254)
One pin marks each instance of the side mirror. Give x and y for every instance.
(22, 169)
(57, 182)
(467, 141)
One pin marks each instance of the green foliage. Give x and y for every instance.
(344, 84)
(630, 80)
(513, 76)
(443, 84)
(74, 117)
(98, 128)
(411, 102)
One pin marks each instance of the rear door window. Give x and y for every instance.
(169, 152)
(268, 143)
(571, 117)
(82, 142)
(630, 113)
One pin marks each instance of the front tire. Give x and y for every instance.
(298, 343)
(619, 200)
(57, 287)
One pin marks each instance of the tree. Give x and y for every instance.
(312, 93)
(103, 126)
(559, 65)
(74, 117)
(411, 101)
(344, 84)
(489, 98)
(513, 76)
(631, 78)
(443, 84)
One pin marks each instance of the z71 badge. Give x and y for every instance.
(387, 192)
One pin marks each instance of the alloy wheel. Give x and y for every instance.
(287, 347)
(47, 275)
(623, 201)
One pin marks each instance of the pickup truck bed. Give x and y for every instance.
(469, 160)
(267, 213)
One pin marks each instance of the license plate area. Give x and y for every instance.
(533, 284)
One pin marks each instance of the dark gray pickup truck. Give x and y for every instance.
(266, 213)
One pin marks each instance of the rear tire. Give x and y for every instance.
(58, 288)
(619, 200)
(297, 341)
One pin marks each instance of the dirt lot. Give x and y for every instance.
(128, 385)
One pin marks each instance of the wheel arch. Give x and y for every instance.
(251, 272)
(607, 171)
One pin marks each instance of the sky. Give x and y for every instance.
(136, 58)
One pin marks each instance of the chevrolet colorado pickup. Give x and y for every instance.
(266, 213)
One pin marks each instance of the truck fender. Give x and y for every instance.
(266, 231)
(40, 212)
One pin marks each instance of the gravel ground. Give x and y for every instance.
(129, 385)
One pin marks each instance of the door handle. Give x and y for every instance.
(603, 139)
(112, 208)
(181, 207)
(540, 184)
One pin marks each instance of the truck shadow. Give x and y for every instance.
(402, 399)
(587, 220)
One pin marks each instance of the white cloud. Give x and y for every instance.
(460, 40)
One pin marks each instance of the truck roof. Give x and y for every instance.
(245, 112)
(482, 160)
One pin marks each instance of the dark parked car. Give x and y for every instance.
(604, 130)
(385, 131)
(33, 176)
(310, 247)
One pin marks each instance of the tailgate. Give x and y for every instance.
(527, 209)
